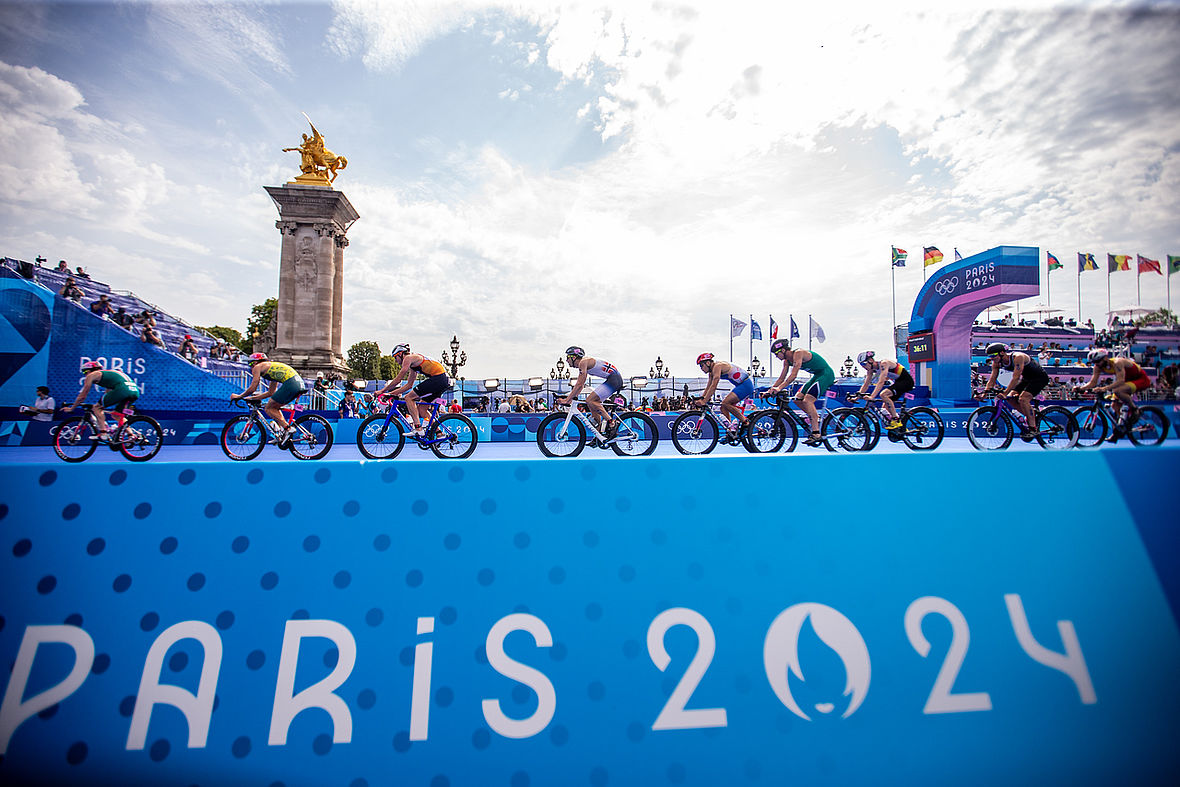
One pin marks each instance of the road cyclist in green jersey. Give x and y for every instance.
(121, 392)
(285, 387)
(822, 378)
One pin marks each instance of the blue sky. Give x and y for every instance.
(620, 175)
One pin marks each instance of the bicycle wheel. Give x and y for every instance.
(637, 435)
(459, 437)
(312, 438)
(988, 429)
(555, 440)
(376, 440)
(1150, 427)
(874, 419)
(1056, 428)
(140, 438)
(922, 429)
(695, 432)
(847, 428)
(73, 441)
(1093, 425)
(770, 430)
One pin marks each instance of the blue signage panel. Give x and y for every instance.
(578, 622)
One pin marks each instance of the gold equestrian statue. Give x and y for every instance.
(318, 165)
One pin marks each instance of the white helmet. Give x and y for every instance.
(864, 357)
(1098, 355)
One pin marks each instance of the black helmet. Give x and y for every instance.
(778, 345)
(995, 348)
(574, 351)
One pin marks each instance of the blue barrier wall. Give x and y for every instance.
(664, 620)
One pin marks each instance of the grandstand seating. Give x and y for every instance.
(171, 329)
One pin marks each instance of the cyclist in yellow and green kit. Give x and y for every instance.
(285, 387)
(121, 392)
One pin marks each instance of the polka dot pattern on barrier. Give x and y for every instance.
(250, 549)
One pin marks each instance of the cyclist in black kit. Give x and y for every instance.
(1028, 378)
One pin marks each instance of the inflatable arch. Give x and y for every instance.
(939, 346)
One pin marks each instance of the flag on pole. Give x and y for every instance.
(1146, 265)
(1118, 262)
(1173, 264)
(899, 256)
(932, 255)
(755, 330)
(794, 328)
(773, 328)
(817, 332)
(1086, 262)
(957, 255)
(736, 327)
(1054, 263)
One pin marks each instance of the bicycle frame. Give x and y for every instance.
(409, 427)
(572, 410)
(257, 409)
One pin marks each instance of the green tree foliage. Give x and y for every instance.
(230, 335)
(364, 360)
(260, 317)
(389, 368)
(1158, 317)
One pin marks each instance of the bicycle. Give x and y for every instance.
(449, 436)
(698, 430)
(921, 428)
(563, 434)
(137, 437)
(1147, 426)
(844, 427)
(244, 436)
(990, 427)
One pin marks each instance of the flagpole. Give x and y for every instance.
(731, 337)
(751, 338)
(1080, 321)
(1108, 288)
(809, 332)
(1138, 289)
(893, 292)
(1048, 289)
(770, 362)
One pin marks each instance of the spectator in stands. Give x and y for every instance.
(146, 319)
(102, 307)
(41, 409)
(232, 353)
(149, 336)
(456, 406)
(81, 273)
(187, 349)
(348, 405)
(123, 318)
(39, 260)
(71, 290)
(62, 267)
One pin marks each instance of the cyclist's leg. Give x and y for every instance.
(99, 416)
(806, 403)
(595, 404)
(887, 403)
(729, 407)
(412, 408)
(1024, 405)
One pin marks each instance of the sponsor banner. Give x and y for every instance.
(642, 621)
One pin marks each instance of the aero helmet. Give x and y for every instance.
(257, 358)
(995, 348)
(401, 348)
(704, 357)
(779, 345)
(864, 357)
(574, 351)
(91, 366)
(1098, 355)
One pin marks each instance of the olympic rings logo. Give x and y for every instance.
(947, 286)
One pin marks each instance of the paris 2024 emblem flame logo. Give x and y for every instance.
(780, 654)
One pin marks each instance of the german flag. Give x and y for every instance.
(932, 256)
(1118, 262)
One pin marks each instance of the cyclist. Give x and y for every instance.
(285, 387)
(612, 381)
(743, 388)
(121, 392)
(1129, 377)
(435, 384)
(1028, 380)
(821, 380)
(893, 382)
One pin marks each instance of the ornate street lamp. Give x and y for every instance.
(849, 367)
(755, 366)
(455, 359)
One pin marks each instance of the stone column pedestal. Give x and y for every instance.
(314, 221)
